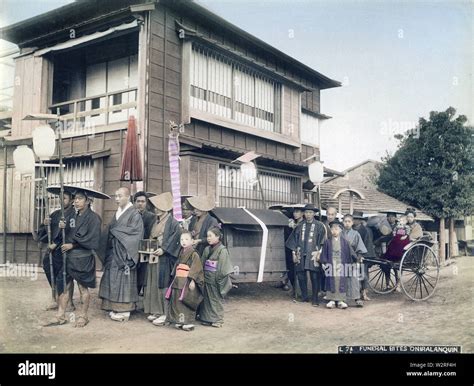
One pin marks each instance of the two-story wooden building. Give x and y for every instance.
(99, 62)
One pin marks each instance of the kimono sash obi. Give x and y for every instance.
(182, 270)
(210, 265)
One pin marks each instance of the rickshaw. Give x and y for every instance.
(417, 270)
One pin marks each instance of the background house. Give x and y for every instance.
(355, 189)
(363, 175)
(160, 62)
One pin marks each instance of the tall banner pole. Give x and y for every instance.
(46, 215)
(173, 156)
(61, 196)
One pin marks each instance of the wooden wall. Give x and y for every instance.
(291, 111)
(20, 202)
(107, 169)
(243, 142)
(31, 93)
(164, 99)
(21, 249)
(164, 95)
(310, 99)
(198, 176)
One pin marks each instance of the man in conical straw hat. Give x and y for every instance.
(202, 220)
(82, 239)
(167, 231)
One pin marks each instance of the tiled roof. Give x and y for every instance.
(374, 201)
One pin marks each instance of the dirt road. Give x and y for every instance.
(259, 319)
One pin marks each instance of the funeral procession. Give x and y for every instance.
(170, 182)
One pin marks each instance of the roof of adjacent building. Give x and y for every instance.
(238, 216)
(348, 170)
(74, 15)
(373, 202)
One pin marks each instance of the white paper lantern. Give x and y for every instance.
(249, 172)
(44, 142)
(24, 160)
(316, 172)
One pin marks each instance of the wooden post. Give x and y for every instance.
(442, 241)
(453, 242)
(262, 194)
(319, 203)
(351, 203)
(5, 190)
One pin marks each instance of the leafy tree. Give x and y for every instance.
(433, 167)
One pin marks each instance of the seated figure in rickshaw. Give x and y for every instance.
(406, 231)
(382, 228)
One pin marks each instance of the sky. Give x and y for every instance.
(397, 61)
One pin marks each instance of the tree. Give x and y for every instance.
(432, 169)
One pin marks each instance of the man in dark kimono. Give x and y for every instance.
(331, 215)
(358, 249)
(336, 260)
(305, 242)
(82, 239)
(54, 247)
(202, 221)
(368, 240)
(158, 275)
(140, 200)
(187, 212)
(297, 217)
(118, 287)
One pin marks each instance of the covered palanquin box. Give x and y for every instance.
(244, 236)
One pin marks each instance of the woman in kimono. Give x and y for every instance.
(336, 257)
(187, 276)
(217, 282)
(158, 276)
(202, 221)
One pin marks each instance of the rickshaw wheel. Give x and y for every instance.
(382, 278)
(419, 272)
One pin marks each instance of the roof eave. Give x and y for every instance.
(15, 33)
(324, 82)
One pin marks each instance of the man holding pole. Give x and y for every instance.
(50, 233)
(82, 239)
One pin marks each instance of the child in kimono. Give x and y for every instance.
(402, 229)
(401, 233)
(187, 276)
(217, 282)
(336, 257)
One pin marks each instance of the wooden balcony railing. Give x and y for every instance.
(83, 115)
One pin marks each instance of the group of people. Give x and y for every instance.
(185, 278)
(187, 273)
(332, 252)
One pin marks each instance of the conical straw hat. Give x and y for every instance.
(163, 201)
(204, 203)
